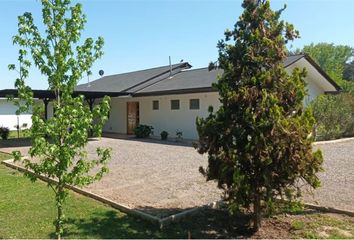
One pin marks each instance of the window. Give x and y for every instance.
(155, 105)
(194, 104)
(174, 104)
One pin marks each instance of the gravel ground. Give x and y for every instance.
(163, 178)
(338, 178)
(159, 178)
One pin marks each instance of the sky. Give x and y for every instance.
(141, 34)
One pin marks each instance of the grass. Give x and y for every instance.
(4, 156)
(23, 133)
(323, 226)
(27, 210)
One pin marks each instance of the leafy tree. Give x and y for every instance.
(58, 144)
(348, 73)
(334, 116)
(331, 58)
(259, 141)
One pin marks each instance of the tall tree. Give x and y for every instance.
(348, 73)
(259, 141)
(331, 58)
(59, 143)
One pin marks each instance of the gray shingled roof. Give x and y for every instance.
(195, 79)
(291, 59)
(188, 79)
(125, 81)
(157, 80)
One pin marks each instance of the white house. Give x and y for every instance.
(170, 98)
(8, 117)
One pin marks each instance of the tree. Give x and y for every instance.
(348, 73)
(331, 58)
(334, 116)
(58, 144)
(259, 141)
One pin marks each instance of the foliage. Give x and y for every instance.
(4, 133)
(348, 73)
(59, 143)
(259, 142)
(331, 58)
(179, 135)
(143, 131)
(334, 115)
(164, 135)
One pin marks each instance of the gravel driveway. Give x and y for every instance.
(338, 179)
(154, 176)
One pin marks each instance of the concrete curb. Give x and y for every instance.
(333, 141)
(330, 209)
(156, 220)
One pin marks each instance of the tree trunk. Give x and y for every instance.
(58, 225)
(257, 212)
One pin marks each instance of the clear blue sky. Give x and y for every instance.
(142, 34)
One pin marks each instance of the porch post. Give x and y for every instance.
(90, 102)
(46, 101)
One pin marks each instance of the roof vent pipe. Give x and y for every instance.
(169, 58)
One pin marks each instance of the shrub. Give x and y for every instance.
(334, 115)
(179, 135)
(143, 131)
(164, 135)
(4, 133)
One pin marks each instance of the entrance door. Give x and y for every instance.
(132, 116)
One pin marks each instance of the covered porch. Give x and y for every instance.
(48, 95)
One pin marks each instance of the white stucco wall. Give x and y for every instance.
(8, 117)
(316, 84)
(183, 119)
(163, 119)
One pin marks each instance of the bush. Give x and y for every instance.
(179, 135)
(164, 135)
(4, 133)
(334, 115)
(143, 131)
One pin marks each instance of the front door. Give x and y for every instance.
(132, 116)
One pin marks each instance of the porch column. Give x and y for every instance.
(45, 101)
(90, 102)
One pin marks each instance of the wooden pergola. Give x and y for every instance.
(47, 95)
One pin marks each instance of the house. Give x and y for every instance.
(9, 118)
(169, 98)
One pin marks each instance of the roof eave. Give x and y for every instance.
(323, 73)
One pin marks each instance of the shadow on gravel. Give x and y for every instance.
(171, 141)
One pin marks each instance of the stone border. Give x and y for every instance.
(162, 222)
(329, 209)
(334, 141)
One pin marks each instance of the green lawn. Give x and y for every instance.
(27, 210)
(4, 156)
(23, 133)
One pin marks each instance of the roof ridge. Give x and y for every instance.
(173, 67)
(147, 69)
(135, 71)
